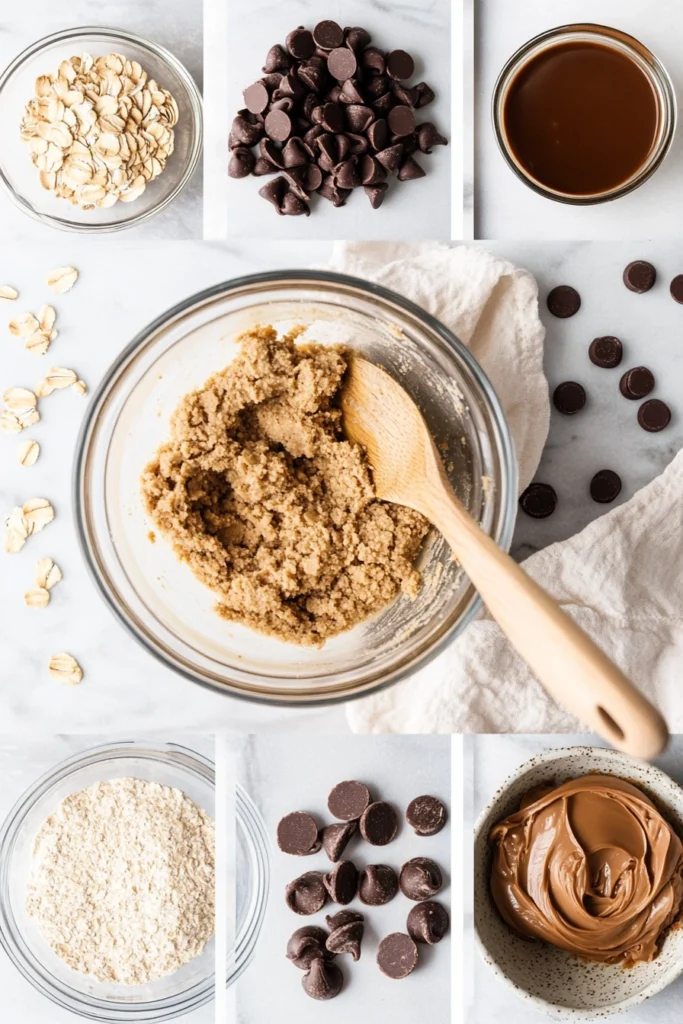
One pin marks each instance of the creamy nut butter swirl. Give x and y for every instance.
(590, 866)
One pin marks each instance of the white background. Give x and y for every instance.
(505, 207)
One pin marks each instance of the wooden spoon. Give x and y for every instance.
(407, 470)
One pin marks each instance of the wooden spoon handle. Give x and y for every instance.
(573, 669)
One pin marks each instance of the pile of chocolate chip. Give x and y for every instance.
(313, 949)
(539, 500)
(330, 114)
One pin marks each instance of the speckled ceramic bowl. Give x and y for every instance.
(554, 981)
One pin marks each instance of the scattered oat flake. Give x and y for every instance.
(24, 325)
(38, 343)
(80, 387)
(39, 513)
(10, 422)
(38, 598)
(19, 398)
(47, 317)
(7, 292)
(65, 668)
(60, 377)
(62, 279)
(48, 574)
(28, 453)
(17, 529)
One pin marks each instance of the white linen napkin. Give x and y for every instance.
(620, 578)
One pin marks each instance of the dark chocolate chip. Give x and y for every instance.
(606, 352)
(328, 35)
(256, 98)
(342, 882)
(676, 288)
(348, 800)
(428, 922)
(241, 162)
(409, 143)
(400, 65)
(359, 117)
(379, 824)
(377, 885)
(346, 173)
(605, 486)
(425, 95)
(262, 167)
(383, 104)
(342, 63)
(285, 103)
(312, 134)
(343, 147)
(244, 132)
(569, 397)
(397, 955)
(404, 95)
(296, 179)
(401, 121)
(376, 87)
(312, 75)
(374, 60)
(371, 171)
(637, 383)
(334, 94)
(378, 134)
(376, 193)
(390, 158)
(294, 206)
(347, 939)
(358, 144)
(278, 125)
(290, 87)
(274, 192)
(277, 60)
(333, 117)
(428, 136)
(640, 276)
(323, 981)
(272, 153)
(308, 944)
(426, 815)
(654, 415)
(420, 879)
(272, 81)
(297, 834)
(341, 918)
(335, 838)
(350, 92)
(410, 170)
(314, 178)
(300, 43)
(538, 501)
(564, 301)
(306, 894)
(294, 154)
(356, 38)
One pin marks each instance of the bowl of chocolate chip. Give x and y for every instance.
(234, 530)
(579, 882)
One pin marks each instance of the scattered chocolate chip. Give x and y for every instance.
(358, 144)
(420, 878)
(346, 934)
(244, 132)
(428, 136)
(538, 501)
(374, 60)
(637, 383)
(330, 190)
(605, 486)
(346, 174)
(342, 882)
(300, 43)
(323, 981)
(306, 894)
(401, 121)
(606, 352)
(293, 206)
(342, 63)
(676, 288)
(426, 815)
(379, 824)
(376, 193)
(348, 800)
(403, 95)
(654, 415)
(410, 170)
(294, 154)
(569, 397)
(350, 92)
(256, 98)
(640, 276)
(371, 170)
(277, 60)
(333, 117)
(307, 944)
(278, 125)
(428, 922)
(397, 955)
(359, 117)
(274, 192)
(400, 65)
(270, 152)
(356, 38)
(564, 301)
(377, 885)
(378, 134)
(297, 834)
(241, 162)
(314, 178)
(425, 95)
(390, 158)
(262, 167)
(335, 838)
(328, 35)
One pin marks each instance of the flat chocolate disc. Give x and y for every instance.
(637, 383)
(379, 824)
(569, 397)
(606, 352)
(401, 121)
(307, 944)
(640, 276)
(400, 65)
(654, 415)
(397, 956)
(256, 98)
(342, 882)
(427, 922)
(328, 35)
(342, 63)
(605, 486)
(278, 125)
(426, 815)
(420, 878)
(297, 834)
(307, 894)
(677, 288)
(538, 501)
(377, 885)
(323, 981)
(563, 301)
(348, 800)
(335, 838)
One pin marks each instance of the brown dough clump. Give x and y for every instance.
(269, 505)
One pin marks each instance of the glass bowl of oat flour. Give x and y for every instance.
(157, 598)
(192, 985)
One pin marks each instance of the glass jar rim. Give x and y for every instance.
(648, 63)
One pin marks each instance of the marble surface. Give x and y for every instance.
(395, 769)
(174, 24)
(122, 683)
(417, 209)
(489, 762)
(505, 207)
(20, 766)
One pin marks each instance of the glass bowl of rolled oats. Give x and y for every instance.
(106, 882)
(101, 129)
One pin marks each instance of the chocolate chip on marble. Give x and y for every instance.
(428, 136)
(333, 117)
(241, 162)
(293, 206)
(347, 939)
(307, 894)
(308, 944)
(425, 95)
(378, 134)
(401, 121)
(539, 500)
(300, 43)
(256, 98)
(356, 38)
(390, 158)
(262, 167)
(342, 63)
(314, 177)
(410, 170)
(428, 922)
(569, 397)
(348, 800)
(274, 192)
(342, 882)
(323, 981)
(654, 415)
(400, 65)
(350, 93)
(377, 885)
(278, 125)
(371, 170)
(397, 956)
(331, 191)
(244, 132)
(328, 35)
(277, 60)
(379, 823)
(403, 95)
(676, 288)
(640, 276)
(335, 838)
(376, 193)
(564, 301)
(358, 144)
(606, 352)
(637, 383)
(359, 117)
(420, 878)
(346, 174)
(605, 486)
(374, 60)
(426, 815)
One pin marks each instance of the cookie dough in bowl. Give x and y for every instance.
(313, 610)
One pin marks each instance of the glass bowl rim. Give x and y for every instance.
(196, 104)
(503, 444)
(249, 817)
(166, 1008)
(657, 70)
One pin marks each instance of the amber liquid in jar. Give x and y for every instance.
(581, 118)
